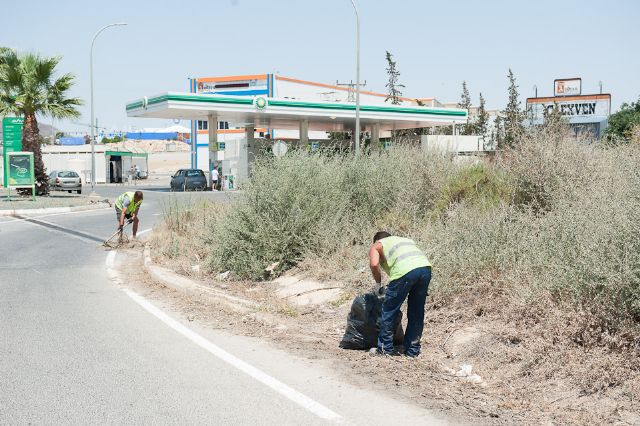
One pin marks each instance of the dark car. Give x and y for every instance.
(189, 180)
(65, 180)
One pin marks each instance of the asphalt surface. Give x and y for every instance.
(76, 348)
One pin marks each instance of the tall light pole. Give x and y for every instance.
(92, 124)
(357, 132)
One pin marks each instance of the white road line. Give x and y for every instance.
(286, 391)
(110, 261)
(145, 231)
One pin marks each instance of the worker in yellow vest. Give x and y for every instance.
(127, 207)
(409, 273)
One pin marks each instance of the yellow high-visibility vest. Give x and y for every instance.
(401, 256)
(133, 206)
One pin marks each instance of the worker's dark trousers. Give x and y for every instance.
(414, 284)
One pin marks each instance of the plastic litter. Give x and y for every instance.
(363, 323)
(223, 275)
(271, 267)
(466, 374)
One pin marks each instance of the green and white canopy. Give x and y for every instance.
(287, 113)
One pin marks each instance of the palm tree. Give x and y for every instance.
(28, 88)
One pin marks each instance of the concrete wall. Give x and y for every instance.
(453, 143)
(78, 162)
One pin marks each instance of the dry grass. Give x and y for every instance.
(538, 249)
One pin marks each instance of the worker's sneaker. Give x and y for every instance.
(378, 352)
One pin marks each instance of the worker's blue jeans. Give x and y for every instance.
(415, 285)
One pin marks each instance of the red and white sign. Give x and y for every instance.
(567, 87)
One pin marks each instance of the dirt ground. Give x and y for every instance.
(518, 376)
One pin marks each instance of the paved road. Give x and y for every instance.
(77, 349)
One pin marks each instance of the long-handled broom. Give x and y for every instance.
(118, 238)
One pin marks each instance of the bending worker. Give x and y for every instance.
(409, 274)
(127, 207)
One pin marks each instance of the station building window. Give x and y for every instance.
(204, 125)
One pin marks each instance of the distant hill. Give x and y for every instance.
(45, 131)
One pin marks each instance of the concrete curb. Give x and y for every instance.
(53, 210)
(184, 285)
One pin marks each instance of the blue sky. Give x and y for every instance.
(437, 45)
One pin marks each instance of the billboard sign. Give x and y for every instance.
(19, 166)
(242, 85)
(567, 87)
(596, 107)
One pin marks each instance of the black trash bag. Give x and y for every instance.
(363, 323)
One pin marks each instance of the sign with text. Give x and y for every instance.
(11, 138)
(567, 87)
(19, 167)
(597, 107)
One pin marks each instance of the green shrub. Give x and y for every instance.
(316, 204)
(552, 221)
(478, 184)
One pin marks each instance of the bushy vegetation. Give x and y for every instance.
(624, 125)
(114, 139)
(551, 221)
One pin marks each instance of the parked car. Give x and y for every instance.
(65, 180)
(189, 180)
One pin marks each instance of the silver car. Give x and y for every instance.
(65, 180)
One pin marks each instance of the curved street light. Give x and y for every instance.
(92, 124)
(357, 132)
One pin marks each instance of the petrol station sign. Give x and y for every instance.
(11, 139)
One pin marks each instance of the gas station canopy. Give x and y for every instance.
(288, 113)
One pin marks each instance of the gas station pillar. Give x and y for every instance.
(375, 138)
(212, 125)
(253, 148)
(304, 132)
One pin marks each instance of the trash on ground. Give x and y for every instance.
(466, 374)
(271, 267)
(223, 275)
(363, 323)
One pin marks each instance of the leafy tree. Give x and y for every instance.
(481, 122)
(27, 88)
(623, 123)
(465, 104)
(513, 115)
(393, 86)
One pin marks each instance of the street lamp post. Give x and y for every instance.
(357, 132)
(92, 124)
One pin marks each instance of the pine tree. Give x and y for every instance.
(497, 134)
(513, 115)
(394, 93)
(481, 122)
(465, 104)
(554, 120)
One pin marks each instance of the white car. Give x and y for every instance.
(65, 180)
